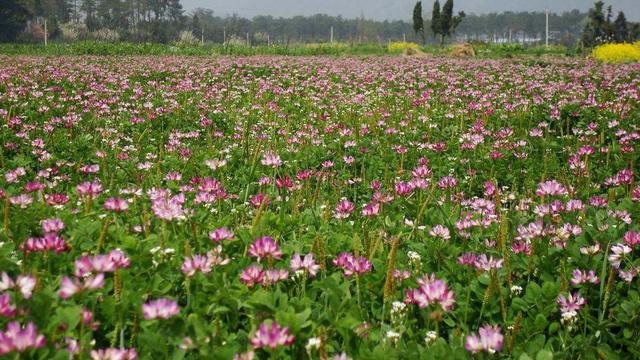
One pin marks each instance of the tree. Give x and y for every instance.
(418, 22)
(621, 28)
(196, 27)
(595, 30)
(435, 19)
(13, 19)
(448, 23)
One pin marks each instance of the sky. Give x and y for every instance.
(395, 9)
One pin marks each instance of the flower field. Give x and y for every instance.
(318, 208)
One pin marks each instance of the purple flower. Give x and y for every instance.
(114, 354)
(160, 309)
(23, 283)
(308, 264)
(431, 291)
(252, 275)
(271, 159)
(69, 286)
(7, 309)
(89, 189)
(551, 188)
(352, 265)
(344, 208)
(489, 339)
(52, 226)
(18, 338)
(582, 277)
(573, 302)
(440, 231)
(265, 247)
(220, 234)
(272, 336)
(116, 204)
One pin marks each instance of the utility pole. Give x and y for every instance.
(546, 28)
(404, 37)
(248, 44)
(202, 36)
(45, 32)
(224, 35)
(332, 34)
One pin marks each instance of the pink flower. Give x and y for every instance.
(573, 302)
(284, 182)
(271, 159)
(114, 354)
(259, 200)
(116, 204)
(344, 208)
(272, 336)
(307, 264)
(168, 208)
(618, 251)
(18, 338)
(487, 263)
(160, 309)
(352, 265)
(22, 200)
(116, 259)
(551, 188)
(69, 286)
(431, 291)
(7, 309)
(89, 189)
(220, 234)
(582, 277)
(272, 276)
(52, 226)
(447, 182)
(489, 339)
(403, 188)
(371, 209)
(632, 238)
(49, 242)
(203, 263)
(23, 283)
(252, 275)
(195, 263)
(265, 247)
(440, 231)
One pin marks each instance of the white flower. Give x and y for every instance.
(430, 337)
(313, 343)
(516, 290)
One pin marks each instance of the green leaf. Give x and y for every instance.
(544, 355)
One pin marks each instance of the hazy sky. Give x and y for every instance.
(394, 9)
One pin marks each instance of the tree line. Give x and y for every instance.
(166, 21)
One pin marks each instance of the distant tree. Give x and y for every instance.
(13, 19)
(435, 19)
(196, 27)
(621, 28)
(634, 33)
(90, 10)
(447, 21)
(418, 22)
(595, 31)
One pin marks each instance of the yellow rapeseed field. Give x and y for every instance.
(617, 53)
(400, 46)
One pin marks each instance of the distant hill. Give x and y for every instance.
(395, 9)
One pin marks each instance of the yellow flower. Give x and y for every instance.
(617, 53)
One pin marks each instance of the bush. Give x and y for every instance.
(617, 53)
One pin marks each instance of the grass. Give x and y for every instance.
(483, 50)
